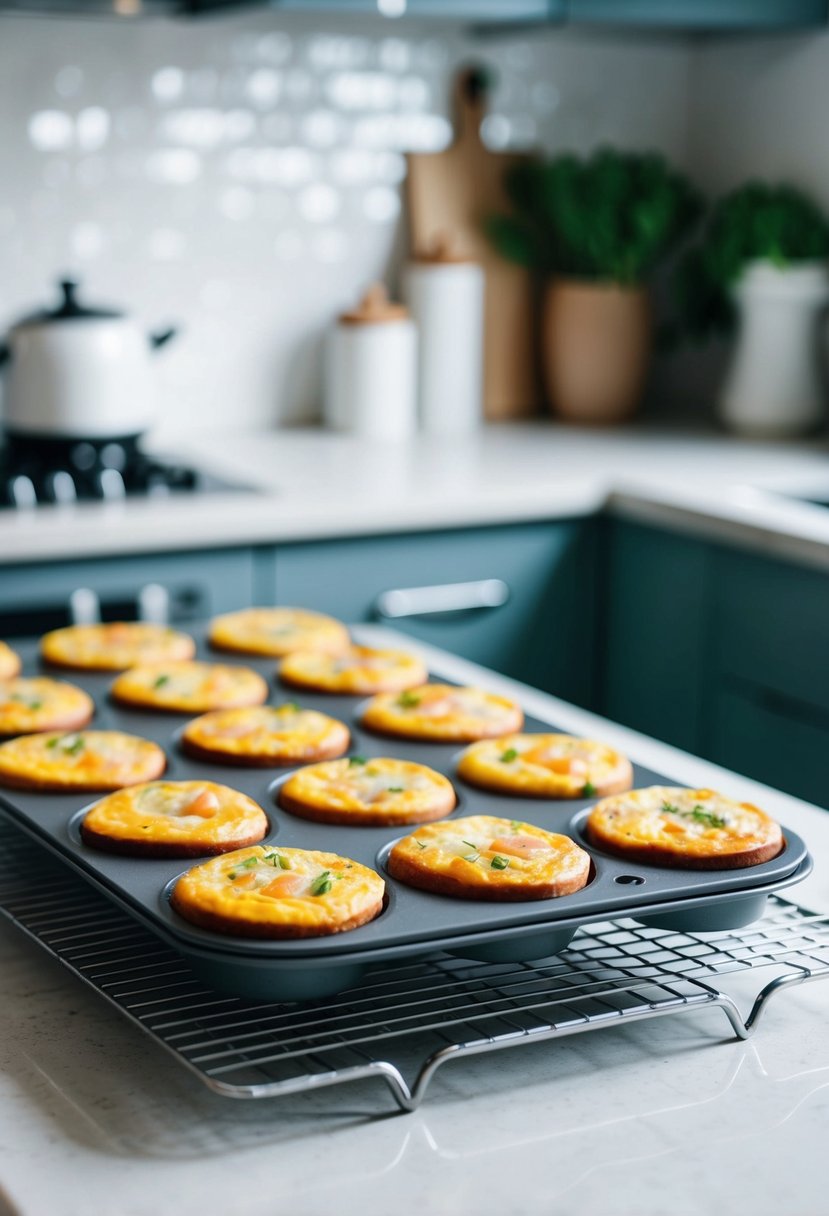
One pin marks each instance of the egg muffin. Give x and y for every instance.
(265, 736)
(442, 713)
(38, 703)
(358, 671)
(174, 819)
(115, 646)
(10, 663)
(89, 761)
(275, 632)
(373, 792)
(546, 766)
(189, 687)
(483, 857)
(684, 829)
(279, 893)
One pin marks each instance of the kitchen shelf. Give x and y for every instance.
(405, 1021)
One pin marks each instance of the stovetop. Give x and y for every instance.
(36, 471)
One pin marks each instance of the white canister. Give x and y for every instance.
(371, 370)
(445, 294)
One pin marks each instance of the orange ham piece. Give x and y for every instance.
(567, 766)
(518, 846)
(205, 804)
(283, 886)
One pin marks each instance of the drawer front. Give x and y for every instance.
(771, 625)
(543, 633)
(35, 598)
(760, 733)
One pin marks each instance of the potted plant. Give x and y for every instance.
(761, 268)
(595, 230)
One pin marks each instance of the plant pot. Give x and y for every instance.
(596, 340)
(774, 386)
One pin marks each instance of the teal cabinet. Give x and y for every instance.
(543, 634)
(654, 629)
(701, 15)
(35, 597)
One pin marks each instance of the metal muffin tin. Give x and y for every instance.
(413, 923)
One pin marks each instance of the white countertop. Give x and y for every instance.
(314, 484)
(669, 1115)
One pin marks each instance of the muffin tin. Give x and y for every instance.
(413, 922)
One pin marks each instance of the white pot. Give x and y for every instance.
(79, 373)
(774, 386)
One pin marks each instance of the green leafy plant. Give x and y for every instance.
(757, 222)
(612, 217)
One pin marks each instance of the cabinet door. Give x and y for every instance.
(656, 608)
(456, 10)
(772, 739)
(35, 598)
(701, 14)
(543, 633)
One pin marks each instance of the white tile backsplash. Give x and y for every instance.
(244, 176)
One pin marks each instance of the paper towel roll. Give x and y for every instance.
(446, 300)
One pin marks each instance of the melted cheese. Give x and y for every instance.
(277, 631)
(441, 711)
(545, 765)
(282, 735)
(115, 646)
(89, 760)
(190, 686)
(375, 791)
(360, 670)
(39, 703)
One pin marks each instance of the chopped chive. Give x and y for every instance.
(668, 808)
(160, 681)
(277, 861)
(509, 755)
(700, 815)
(408, 700)
(471, 845)
(421, 844)
(292, 706)
(72, 749)
(248, 863)
(516, 825)
(473, 857)
(53, 742)
(353, 761)
(395, 789)
(588, 789)
(322, 883)
(499, 863)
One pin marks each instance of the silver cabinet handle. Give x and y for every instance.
(154, 604)
(84, 607)
(445, 597)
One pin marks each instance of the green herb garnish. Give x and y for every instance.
(77, 744)
(53, 742)
(420, 844)
(292, 706)
(355, 760)
(408, 700)
(588, 789)
(248, 863)
(395, 789)
(700, 815)
(668, 808)
(277, 861)
(516, 825)
(322, 884)
(160, 681)
(498, 863)
(509, 755)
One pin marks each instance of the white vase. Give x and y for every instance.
(775, 384)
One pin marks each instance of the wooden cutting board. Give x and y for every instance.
(449, 195)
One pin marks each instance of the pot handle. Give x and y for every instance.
(162, 336)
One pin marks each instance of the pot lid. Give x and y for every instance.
(442, 250)
(69, 309)
(375, 308)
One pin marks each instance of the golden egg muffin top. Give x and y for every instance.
(10, 664)
(115, 646)
(359, 671)
(370, 792)
(38, 703)
(265, 735)
(277, 631)
(277, 892)
(687, 829)
(484, 857)
(546, 766)
(442, 712)
(174, 819)
(91, 760)
(190, 686)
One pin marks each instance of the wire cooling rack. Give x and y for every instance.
(403, 1021)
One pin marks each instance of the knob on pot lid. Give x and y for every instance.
(441, 250)
(375, 308)
(69, 309)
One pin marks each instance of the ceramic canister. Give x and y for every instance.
(445, 293)
(371, 370)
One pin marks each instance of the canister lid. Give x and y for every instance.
(441, 250)
(69, 309)
(375, 308)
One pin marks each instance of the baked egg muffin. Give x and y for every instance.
(484, 857)
(275, 632)
(442, 713)
(358, 671)
(276, 892)
(89, 761)
(685, 829)
(38, 703)
(373, 792)
(189, 687)
(266, 735)
(546, 766)
(115, 646)
(174, 819)
(10, 664)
